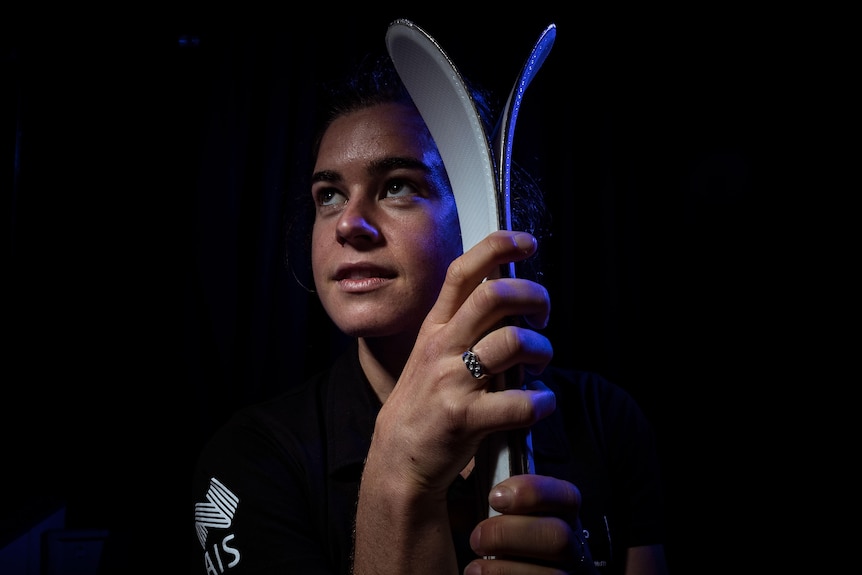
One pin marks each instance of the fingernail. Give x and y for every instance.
(476, 540)
(501, 498)
(525, 241)
(546, 402)
(472, 569)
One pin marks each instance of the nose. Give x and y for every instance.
(356, 225)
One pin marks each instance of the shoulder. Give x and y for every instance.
(289, 411)
(261, 484)
(300, 414)
(295, 427)
(276, 427)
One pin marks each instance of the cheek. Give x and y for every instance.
(317, 253)
(451, 237)
(439, 251)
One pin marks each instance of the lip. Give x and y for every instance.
(362, 277)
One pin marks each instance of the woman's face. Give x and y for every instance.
(385, 227)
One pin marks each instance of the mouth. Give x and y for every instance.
(362, 273)
(362, 278)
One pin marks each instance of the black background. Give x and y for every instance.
(147, 160)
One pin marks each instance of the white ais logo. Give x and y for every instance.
(218, 512)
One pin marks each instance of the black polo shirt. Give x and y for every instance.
(275, 489)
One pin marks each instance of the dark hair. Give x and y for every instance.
(375, 81)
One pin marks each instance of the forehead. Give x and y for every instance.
(376, 131)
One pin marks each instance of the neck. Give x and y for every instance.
(382, 359)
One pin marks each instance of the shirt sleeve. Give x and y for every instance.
(635, 466)
(253, 510)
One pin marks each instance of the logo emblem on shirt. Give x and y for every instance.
(217, 511)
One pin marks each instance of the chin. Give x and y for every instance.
(366, 331)
(378, 329)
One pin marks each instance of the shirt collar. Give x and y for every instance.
(351, 411)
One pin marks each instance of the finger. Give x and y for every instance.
(510, 409)
(499, 566)
(549, 540)
(489, 308)
(479, 262)
(494, 301)
(509, 346)
(536, 495)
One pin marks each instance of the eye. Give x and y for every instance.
(330, 197)
(399, 189)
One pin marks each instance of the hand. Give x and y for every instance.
(538, 530)
(437, 414)
(431, 424)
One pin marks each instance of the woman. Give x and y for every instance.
(367, 467)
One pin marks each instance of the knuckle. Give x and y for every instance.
(456, 272)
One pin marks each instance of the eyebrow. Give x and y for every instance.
(376, 168)
(325, 176)
(394, 162)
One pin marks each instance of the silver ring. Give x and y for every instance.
(474, 366)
